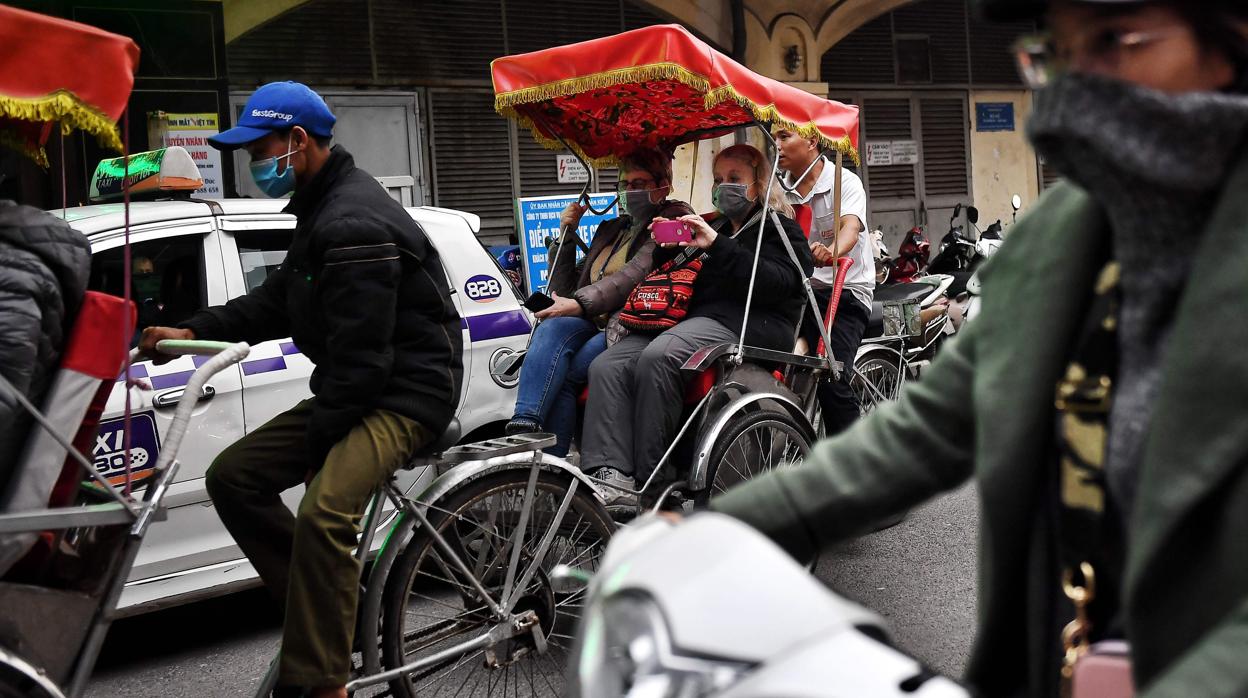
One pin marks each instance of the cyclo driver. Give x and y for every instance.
(363, 295)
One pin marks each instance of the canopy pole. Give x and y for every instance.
(836, 206)
(758, 251)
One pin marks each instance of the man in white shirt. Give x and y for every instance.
(830, 239)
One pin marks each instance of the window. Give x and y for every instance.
(167, 278)
(914, 60)
(261, 252)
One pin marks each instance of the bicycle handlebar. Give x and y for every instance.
(224, 355)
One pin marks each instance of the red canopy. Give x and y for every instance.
(54, 70)
(654, 87)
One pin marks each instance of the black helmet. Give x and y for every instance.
(1008, 10)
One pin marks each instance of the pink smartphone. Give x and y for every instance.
(667, 232)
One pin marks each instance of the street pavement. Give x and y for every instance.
(919, 574)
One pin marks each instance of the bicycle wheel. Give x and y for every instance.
(430, 606)
(876, 380)
(753, 444)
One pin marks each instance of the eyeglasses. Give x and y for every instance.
(1040, 59)
(638, 184)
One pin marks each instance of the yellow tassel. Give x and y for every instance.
(25, 147)
(770, 115)
(64, 107)
(597, 81)
(506, 102)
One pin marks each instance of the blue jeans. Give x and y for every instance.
(555, 369)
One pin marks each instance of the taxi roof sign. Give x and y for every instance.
(166, 170)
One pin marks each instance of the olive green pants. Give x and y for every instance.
(307, 561)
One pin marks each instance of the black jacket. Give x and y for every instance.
(44, 265)
(363, 294)
(720, 290)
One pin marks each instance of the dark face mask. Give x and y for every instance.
(638, 205)
(730, 200)
(1091, 128)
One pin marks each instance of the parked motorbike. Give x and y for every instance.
(965, 305)
(907, 325)
(912, 257)
(957, 248)
(709, 607)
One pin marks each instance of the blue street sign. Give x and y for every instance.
(994, 116)
(539, 219)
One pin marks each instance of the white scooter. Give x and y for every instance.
(709, 607)
(965, 307)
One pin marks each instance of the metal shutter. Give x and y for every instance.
(447, 41)
(944, 23)
(538, 176)
(846, 162)
(886, 120)
(863, 57)
(992, 61)
(533, 25)
(321, 42)
(471, 154)
(944, 146)
(1048, 175)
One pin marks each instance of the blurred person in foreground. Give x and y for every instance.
(1099, 400)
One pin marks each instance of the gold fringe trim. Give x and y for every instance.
(769, 114)
(597, 81)
(506, 102)
(64, 107)
(21, 145)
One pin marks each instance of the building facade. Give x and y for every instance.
(942, 121)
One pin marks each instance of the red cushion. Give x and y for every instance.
(697, 388)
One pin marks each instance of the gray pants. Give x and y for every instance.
(636, 394)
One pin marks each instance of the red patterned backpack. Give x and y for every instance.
(662, 299)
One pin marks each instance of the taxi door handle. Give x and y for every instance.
(170, 399)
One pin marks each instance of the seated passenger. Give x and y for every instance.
(636, 388)
(575, 330)
(44, 266)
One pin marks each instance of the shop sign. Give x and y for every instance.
(191, 131)
(539, 221)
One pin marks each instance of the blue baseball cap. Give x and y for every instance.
(275, 107)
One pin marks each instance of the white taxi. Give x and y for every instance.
(191, 254)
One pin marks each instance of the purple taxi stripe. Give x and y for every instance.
(171, 380)
(497, 325)
(136, 371)
(289, 348)
(251, 368)
(200, 360)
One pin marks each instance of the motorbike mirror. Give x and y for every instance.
(956, 210)
(972, 214)
(1016, 201)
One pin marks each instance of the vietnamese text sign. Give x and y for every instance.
(879, 153)
(191, 131)
(570, 170)
(994, 116)
(905, 152)
(539, 219)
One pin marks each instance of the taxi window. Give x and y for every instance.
(261, 252)
(167, 278)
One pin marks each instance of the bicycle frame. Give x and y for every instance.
(471, 461)
(122, 510)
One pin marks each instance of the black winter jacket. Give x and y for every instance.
(44, 267)
(721, 288)
(363, 294)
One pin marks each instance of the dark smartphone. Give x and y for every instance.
(538, 302)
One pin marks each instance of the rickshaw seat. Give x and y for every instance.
(695, 388)
(94, 355)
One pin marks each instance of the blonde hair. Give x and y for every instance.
(750, 156)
